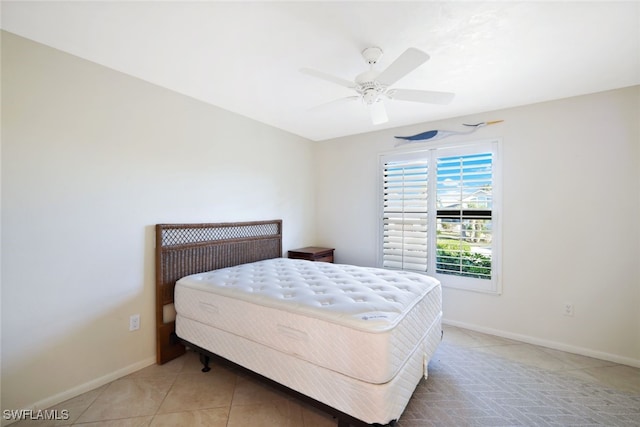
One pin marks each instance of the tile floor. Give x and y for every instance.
(178, 394)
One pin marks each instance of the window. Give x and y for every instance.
(440, 214)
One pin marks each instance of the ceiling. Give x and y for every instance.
(245, 56)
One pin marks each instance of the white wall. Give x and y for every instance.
(91, 160)
(570, 221)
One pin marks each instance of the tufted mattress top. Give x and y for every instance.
(359, 321)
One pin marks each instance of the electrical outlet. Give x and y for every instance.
(568, 309)
(134, 322)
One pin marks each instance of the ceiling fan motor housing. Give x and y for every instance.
(368, 87)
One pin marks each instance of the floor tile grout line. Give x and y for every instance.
(233, 395)
(104, 388)
(165, 396)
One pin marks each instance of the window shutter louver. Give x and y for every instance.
(405, 215)
(464, 200)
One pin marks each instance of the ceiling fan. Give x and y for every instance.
(373, 86)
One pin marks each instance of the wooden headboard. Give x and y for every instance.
(184, 249)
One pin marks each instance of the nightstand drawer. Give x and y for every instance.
(328, 258)
(313, 253)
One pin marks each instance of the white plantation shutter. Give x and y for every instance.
(440, 213)
(405, 215)
(465, 200)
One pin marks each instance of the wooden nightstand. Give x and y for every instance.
(313, 253)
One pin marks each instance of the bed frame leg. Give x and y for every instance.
(204, 359)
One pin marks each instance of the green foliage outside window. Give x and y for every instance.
(456, 257)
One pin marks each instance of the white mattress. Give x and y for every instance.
(362, 323)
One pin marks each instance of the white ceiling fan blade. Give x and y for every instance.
(378, 113)
(411, 59)
(426, 96)
(328, 77)
(334, 102)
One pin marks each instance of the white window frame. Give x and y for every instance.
(431, 152)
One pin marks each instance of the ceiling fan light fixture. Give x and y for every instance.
(370, 95)
(378, 113)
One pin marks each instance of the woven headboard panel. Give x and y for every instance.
(184, 249)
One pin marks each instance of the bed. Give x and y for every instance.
(354, 341)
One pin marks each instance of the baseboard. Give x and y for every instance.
(88, 386)
(546, 343)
